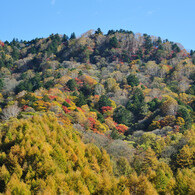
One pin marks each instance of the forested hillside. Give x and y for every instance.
(97, 114)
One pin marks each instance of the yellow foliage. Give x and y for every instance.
(113, 104)
(48, 79)
(17, 187)
(72, 107)
(63, 80)
(100, 127)
(11, 103)
(180, 121)
(185, 98)
(89, 80)
(55, 92)
(59, 86)
(85, 108)
(56, 104)
(110, 123)
(147, 91)
(41, 105)
(78, 117)
(91, 115)
(169, 106)
(111, 84)
(24, 102)
(1, 97)
(59, 99)
(4, 174)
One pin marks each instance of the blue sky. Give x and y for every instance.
(28, 19)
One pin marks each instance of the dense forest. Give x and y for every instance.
(97, 114)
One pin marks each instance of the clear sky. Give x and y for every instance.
(28, 19)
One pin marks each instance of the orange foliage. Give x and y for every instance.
(66, 110)
(122, 128)
(89, 80)
(2, 44)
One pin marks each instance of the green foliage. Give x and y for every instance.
(113, 42)
(49, 84)
(185, 114)
(176, 48)
(1, 63)
(193, 105)
(30, 84)
(116, 135)
(39, 156)
(98, 32)
(73, 36)
(147, 43)
(154, 104)
(71, 84)
(81, 100)
(15, 53)
(64, 38)
(66, 104)
(30, 98)
(137, 105)
(132, 80)
(100, 117)
(123, 116)
(1, 84)
(103, 101)
(86, 90)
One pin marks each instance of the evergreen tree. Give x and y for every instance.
(15, 53)
(137, 105)
(123, 116)
(1, 84)
(103, 101)
(98, 32)
(113, 42)
(132, 80)
(1, 63)
(64, 38)
(81, 100)
(71, 84)
(73, 36)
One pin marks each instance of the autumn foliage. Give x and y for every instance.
(97, 114)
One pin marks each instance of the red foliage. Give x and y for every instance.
(2, 44)
(68, 101)
(51, 97)
(169, 67)
(79, 82)
(89, 48)
(66, 89)
(65, 109)
(78, 108)
(96, 96)
(24, 107)
(106, 108)
(122, 128)
(95, 130)
(92, 123)
(176, 128)
(115, 123)
(92, 120)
